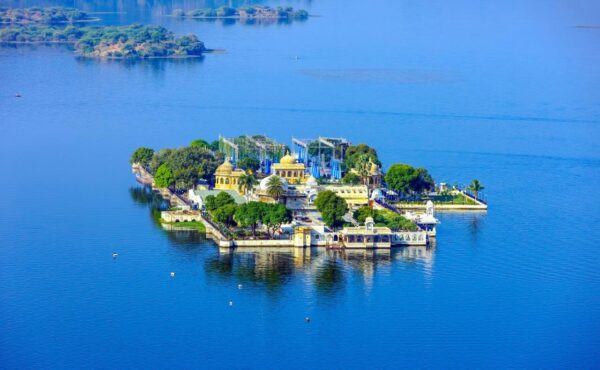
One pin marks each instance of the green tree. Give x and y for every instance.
(351, 178)
(223, 199)
(397, 222)
(225, 214)
(250, 215)
(362, 165)
(274, 216)
(475, 187)
(361, 214)
(406, 179)
(249, 163)
(142, 155)
(210, 203)
(199, 143)
(164, 177)
(275, 187)
(247, 183)
(189, 164)
(355, 151)
(214, 145)
(331, 207)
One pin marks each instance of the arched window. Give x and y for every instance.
(227, 181)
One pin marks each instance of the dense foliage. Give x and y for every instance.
(224, 214)
(272, 216)
(142, 155)
(406, 179)
(189, 164)
(331, 207)
(354, 152)
(351, 178)
(255, 11)
(164, 176)
(201, 144)
(135, 41)
(212, 202)
(384, 217)
(250, 215)
(42, 15)
(249, 164)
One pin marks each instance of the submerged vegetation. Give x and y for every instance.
(134, 41)
(247, 12)
(43, 16)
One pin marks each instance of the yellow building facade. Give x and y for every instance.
(355, 195)
(228, 178)
(289, 169)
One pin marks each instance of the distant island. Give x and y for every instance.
(43, 16)
(247, 13)
(110, 42)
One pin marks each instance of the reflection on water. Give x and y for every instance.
(247, 21)
(156, 66)
(155, 7)
(327, 271)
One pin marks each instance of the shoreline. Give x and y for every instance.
(234, 17)
(208, 51)
(32, 23)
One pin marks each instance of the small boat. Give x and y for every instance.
(17, 95)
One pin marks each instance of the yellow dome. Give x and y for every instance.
(225, 167)
(287, 159)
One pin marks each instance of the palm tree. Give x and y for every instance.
(362, 167)
(475, 187)
(247, 183)
(275, 187)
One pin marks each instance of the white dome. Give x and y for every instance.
(377, 194)
(311, 182)
(264, 182)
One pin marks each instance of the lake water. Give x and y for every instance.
(506, 92)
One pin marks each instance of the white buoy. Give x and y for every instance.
(231, 303)
(172, 274)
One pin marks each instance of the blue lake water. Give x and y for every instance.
(505, 92)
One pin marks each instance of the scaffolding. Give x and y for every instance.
(323, 155)
(259, 147)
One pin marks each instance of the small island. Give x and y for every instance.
(109, 42)
(254, 12)
(254, 191)
(15, 16)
